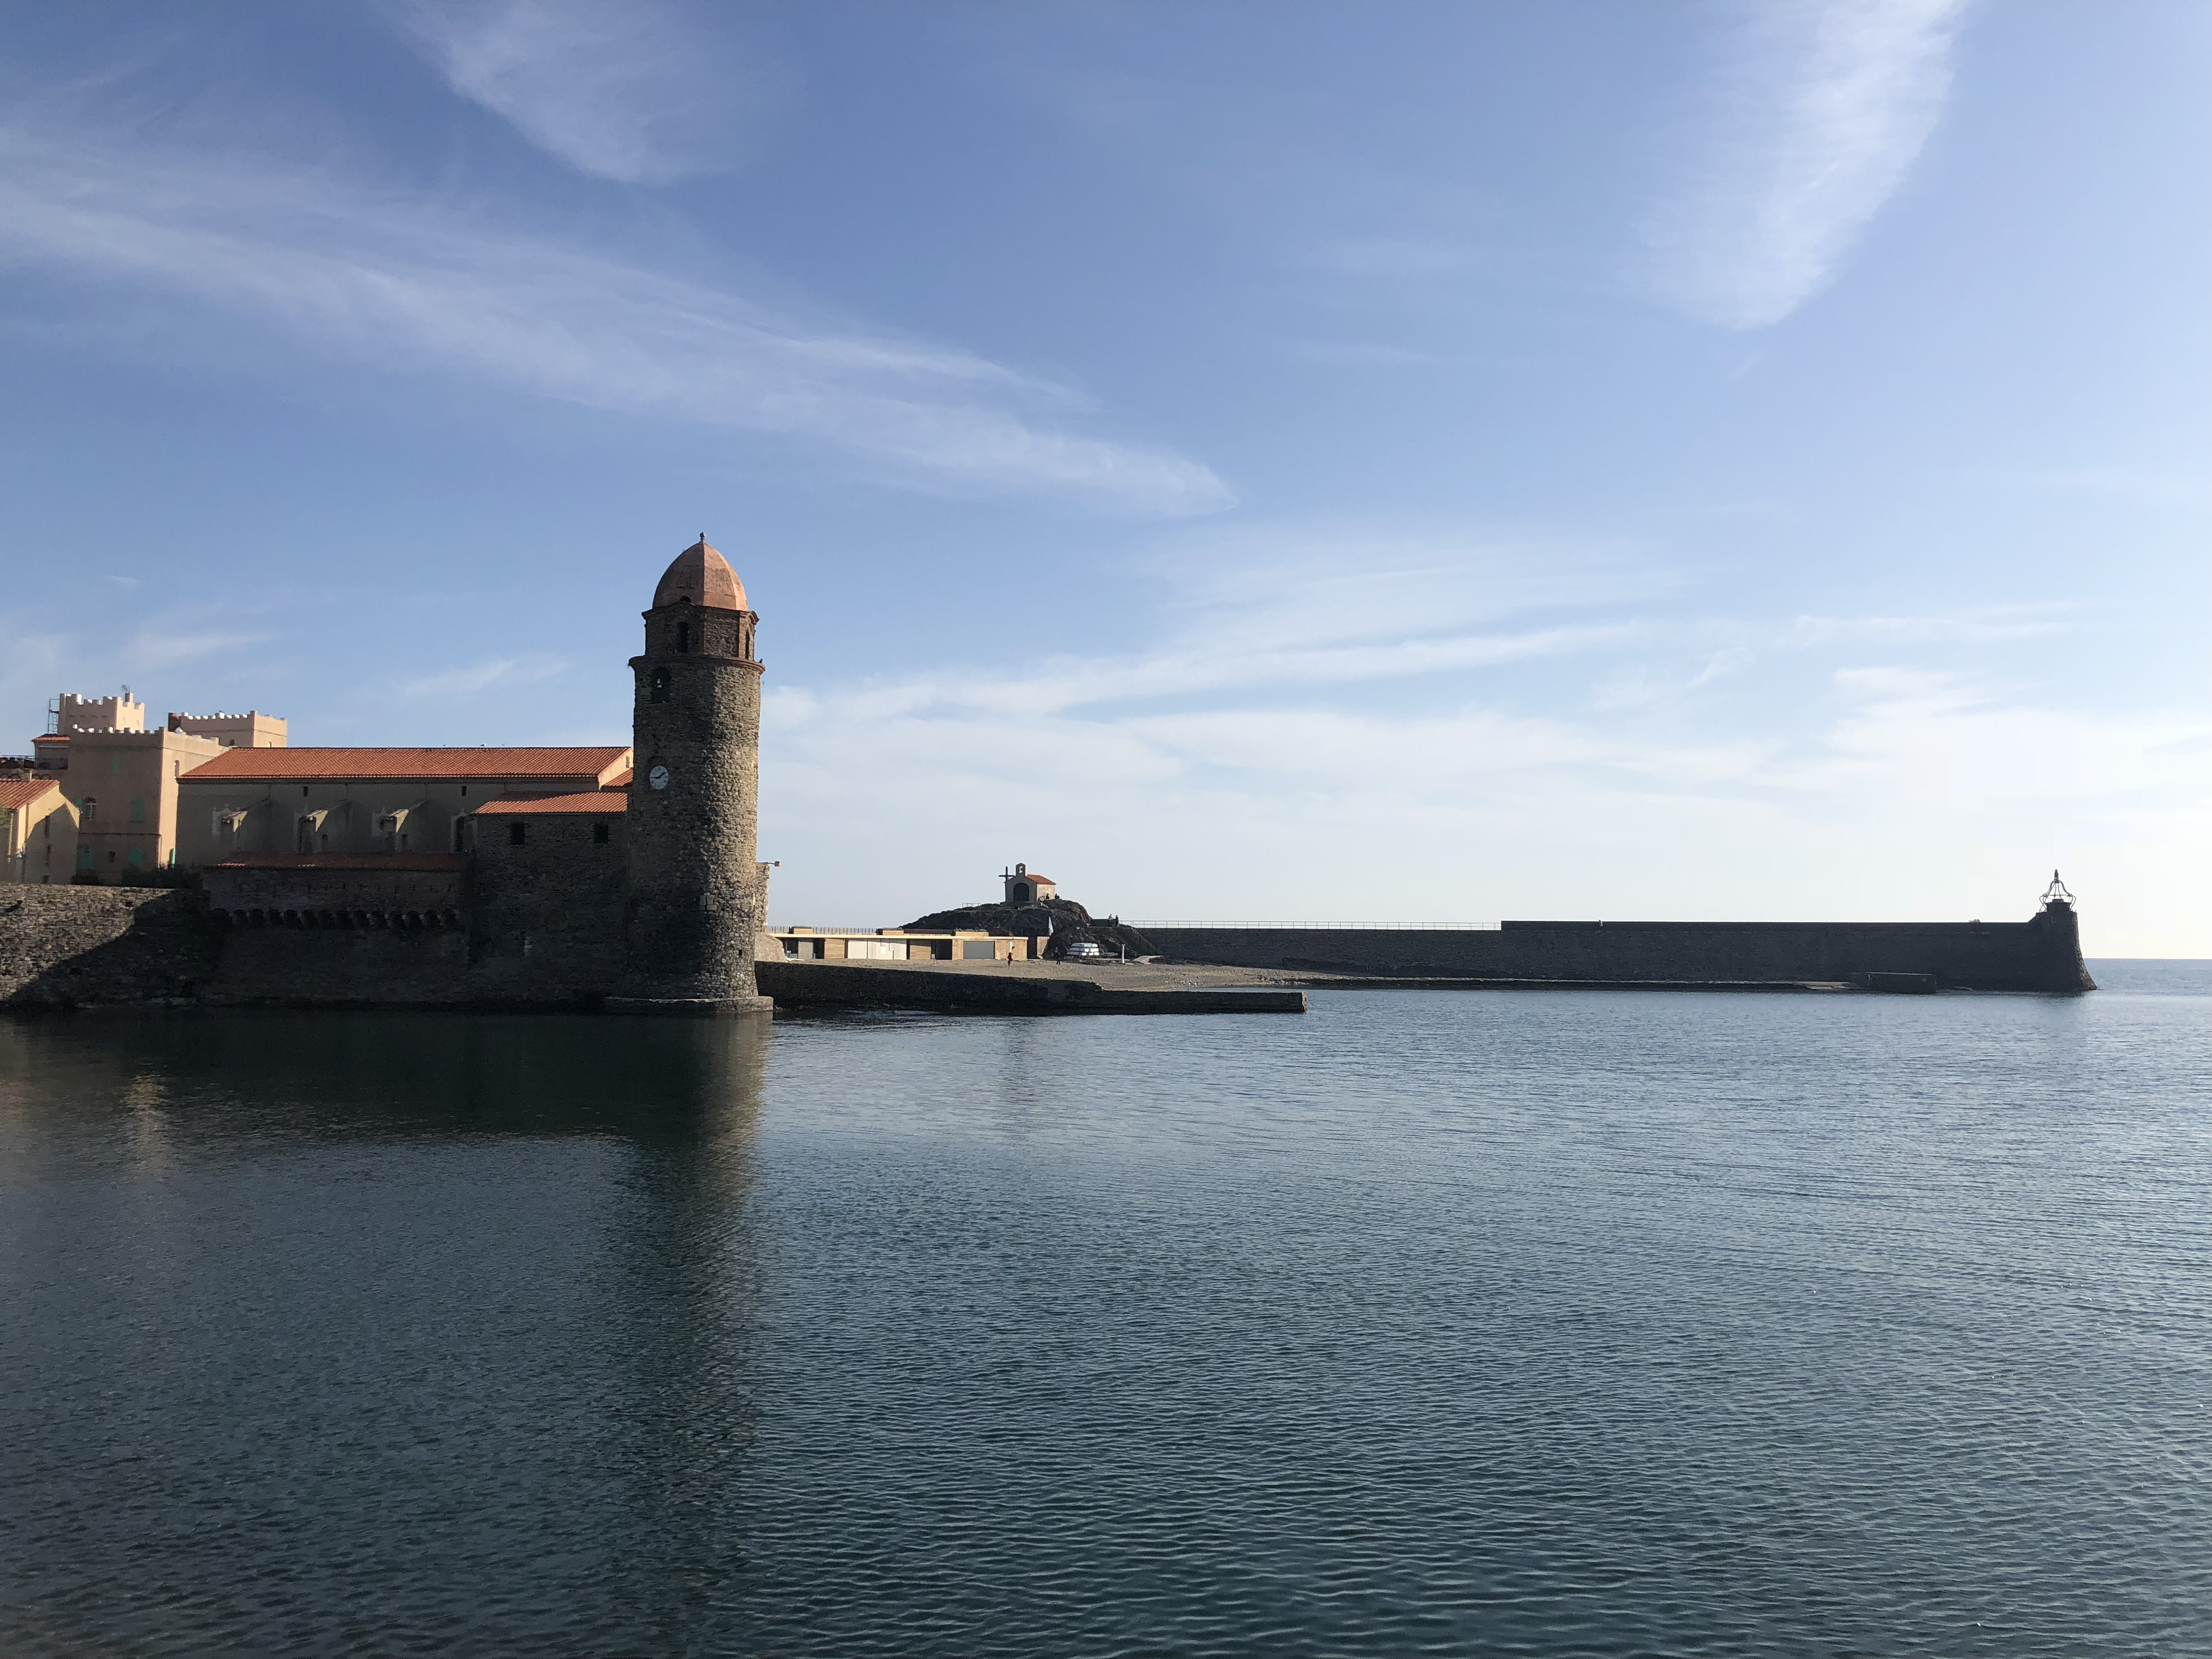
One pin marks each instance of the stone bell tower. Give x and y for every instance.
(696, 897)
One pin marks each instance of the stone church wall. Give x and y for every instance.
(546, 924)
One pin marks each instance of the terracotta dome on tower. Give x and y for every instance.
(703, 576)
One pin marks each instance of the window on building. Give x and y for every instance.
(516, 833)
(599, 835)
(659, 692)
(459, 845)
(137, 858)
(88, 809)
(84, 858)
(684, 636)
(137, 809)
(306, 842)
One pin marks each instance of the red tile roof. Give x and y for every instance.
(26, 791)
(342, 861)
(591, 801)
(362, 765)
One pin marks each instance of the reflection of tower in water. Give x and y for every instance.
(490, 1282)
(689, 1251)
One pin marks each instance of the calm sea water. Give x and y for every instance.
(1504, 1323)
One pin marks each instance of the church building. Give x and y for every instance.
(1025, 886)
(622, 876)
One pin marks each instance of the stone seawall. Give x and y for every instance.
(2043, 954)
(85, 947)
(64, 947)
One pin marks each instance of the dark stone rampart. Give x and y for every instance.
(396, 884)
(2042, 954)
(332, 963)
(546, 926)
(70, 947)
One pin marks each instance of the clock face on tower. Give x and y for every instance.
(658, 777)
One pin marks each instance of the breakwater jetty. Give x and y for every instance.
(2043, 953)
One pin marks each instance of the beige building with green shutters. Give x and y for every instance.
(121, 780)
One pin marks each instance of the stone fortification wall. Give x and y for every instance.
(64, 947)
(547, 922)
(2044, 954)
(403, 884)
(346, 965)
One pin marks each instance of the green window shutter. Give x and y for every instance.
(137, 809)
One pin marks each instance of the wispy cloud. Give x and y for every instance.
(396, 283)
(1248, 613)
(1816, 117)
(2024, 621)
(154, 648)
(483, 676)
(637, 92)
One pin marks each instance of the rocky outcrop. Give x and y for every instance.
(1065, 920)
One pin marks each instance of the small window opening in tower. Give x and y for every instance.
(659, 692)
(599, 835)
(684, 636)
(516, 833)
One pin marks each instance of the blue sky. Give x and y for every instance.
(1439, 462)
